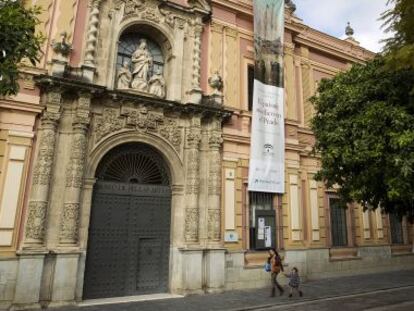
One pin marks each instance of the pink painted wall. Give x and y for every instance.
(79, 32)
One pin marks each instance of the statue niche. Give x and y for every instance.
(140, 66)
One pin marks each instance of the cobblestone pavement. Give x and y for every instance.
(386, 291)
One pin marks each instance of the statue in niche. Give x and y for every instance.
(142, 62)
(157, 84)
(124, 76)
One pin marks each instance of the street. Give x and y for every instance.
(374, 292)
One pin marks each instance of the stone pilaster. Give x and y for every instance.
(39, 196)
(214, 182)
(69, 223)
(192, 154)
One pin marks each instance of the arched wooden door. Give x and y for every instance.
(129, 232)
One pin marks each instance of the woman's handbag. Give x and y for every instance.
(267, 267)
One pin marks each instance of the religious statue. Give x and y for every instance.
(157, 84)
(124, 76)
(142, 62)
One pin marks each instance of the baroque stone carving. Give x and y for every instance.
(131, 6)
(215, 140)
(192, 186)
(214, 174)
(191, 224)
(213, 224)
(36, 220)
(69, 222)
(124, 76)
(172, 133)
(141, 120)
(43, 167)
(74, 171)
(157, 85)
(108, 123)
(142, 61)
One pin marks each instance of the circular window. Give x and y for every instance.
(129, 42)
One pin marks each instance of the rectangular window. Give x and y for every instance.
(262, 220)
(338, 223)
(250, 81)
(396, 229)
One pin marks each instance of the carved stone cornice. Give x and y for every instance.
(206, 108)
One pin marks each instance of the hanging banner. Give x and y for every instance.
(267, 149)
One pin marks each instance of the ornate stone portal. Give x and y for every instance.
(144, 95)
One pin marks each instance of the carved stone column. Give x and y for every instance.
(214, 182)
(195, 82)
(192, 213)
(39, 196)
(69, 223)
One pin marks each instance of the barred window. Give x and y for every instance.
(338, 223)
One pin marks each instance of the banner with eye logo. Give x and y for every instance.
(267, 147)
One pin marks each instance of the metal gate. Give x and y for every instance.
(129, 232)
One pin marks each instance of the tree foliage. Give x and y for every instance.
(364, 128)
(18, 40)
(399, 49)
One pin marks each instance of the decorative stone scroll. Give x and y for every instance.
(141, 120)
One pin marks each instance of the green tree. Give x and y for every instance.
(399, 49)
(364, 128)
(18, 40)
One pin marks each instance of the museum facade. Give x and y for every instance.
(124, 158)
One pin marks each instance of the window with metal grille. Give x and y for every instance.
(262, 220)
(338, 223)
(396, 229)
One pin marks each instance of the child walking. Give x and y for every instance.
(294, 281)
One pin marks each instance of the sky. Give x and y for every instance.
(331, 16)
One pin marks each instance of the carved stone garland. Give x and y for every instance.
(38, 203)
(192, 182)
(141, 120)
(74, 173)
(214, 184)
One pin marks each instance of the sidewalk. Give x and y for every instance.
(252, 299)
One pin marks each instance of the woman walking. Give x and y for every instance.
(276, 267)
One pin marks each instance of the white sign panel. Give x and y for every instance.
(266, 168)
(268, 236)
